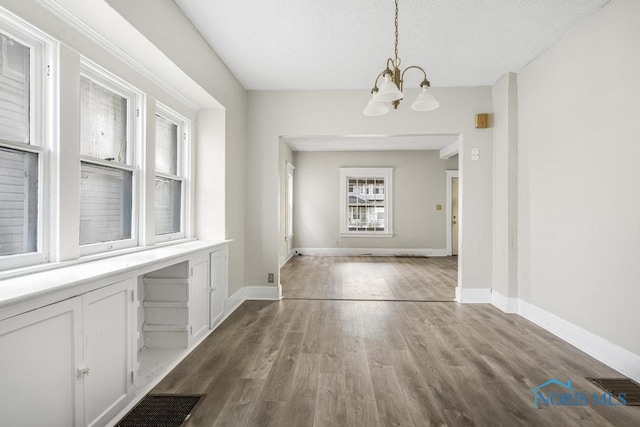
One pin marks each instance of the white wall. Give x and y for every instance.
(274, 114)
(419, 184)
(220, 153)
(505, 191)
(579, 198)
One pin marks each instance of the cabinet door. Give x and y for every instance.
(108, 325)
(218, 285)
(199, 297)
(39, 352)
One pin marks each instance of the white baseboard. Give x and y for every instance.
(473, 296)
(263, 292)
(233, 302)
(287, 258)
(506, 304)
(369, 251)
(610, 354)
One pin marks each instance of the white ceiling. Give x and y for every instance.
(369, 142)
(343, 44)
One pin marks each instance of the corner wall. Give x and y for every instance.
(579, 198)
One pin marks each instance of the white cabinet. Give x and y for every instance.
(218, 286)
(199, 297)
(39, 353)
(108, 330)
(71, 360)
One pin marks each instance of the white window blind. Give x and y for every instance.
(14, 90)
(168, 204)
(103, 128)
(166, 146)
(19, 195)
(105, 205)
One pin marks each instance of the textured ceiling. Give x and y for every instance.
(343, 44)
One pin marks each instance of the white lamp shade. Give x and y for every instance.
(425, 101)
(388, 91)
(375, 108)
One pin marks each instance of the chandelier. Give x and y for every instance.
(391, 88)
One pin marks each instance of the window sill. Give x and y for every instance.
(365, 234)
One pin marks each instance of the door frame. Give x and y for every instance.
(450, 175)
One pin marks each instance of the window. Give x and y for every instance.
(23, 140)
(171, 169)
(107, 172)
(366, 202)
(289, 202)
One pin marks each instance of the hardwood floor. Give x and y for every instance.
(370, 278)
(384, 363)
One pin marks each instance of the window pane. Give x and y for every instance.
(366, 204)
(166, 146)
(168, 205)
(18, 202)
(103, 122)
(14, 90)
(105, 204)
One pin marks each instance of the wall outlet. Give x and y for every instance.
(270, 278)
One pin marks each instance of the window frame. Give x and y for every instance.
(42, 51)
(135, 99)
(385, 173)
(183, 170)
(288, 207)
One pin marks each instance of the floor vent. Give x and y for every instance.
(162, 410)
(616, 386)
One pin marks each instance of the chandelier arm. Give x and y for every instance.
(375, 83)
(424, 82)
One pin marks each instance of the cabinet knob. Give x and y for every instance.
(82, 371)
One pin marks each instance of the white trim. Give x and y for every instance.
(107, 45)
(232, 303)
(376, 172)
(450, 150)
(273, 293)
(450, 175)
(288, 257)
(288, 202)
(599, 348)
(368, 251)
(506, 304)
(473, 296)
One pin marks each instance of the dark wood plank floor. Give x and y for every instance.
(370, 278)
(384, 363)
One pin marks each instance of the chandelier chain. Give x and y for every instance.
(396, 51)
